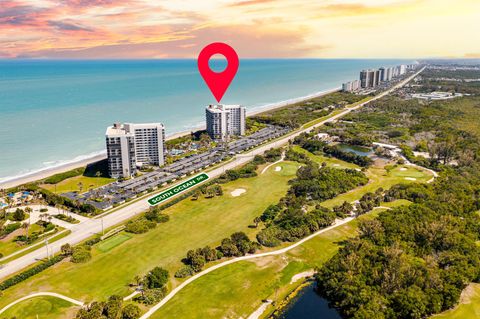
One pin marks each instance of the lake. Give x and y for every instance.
(359, 150)
(309, 304)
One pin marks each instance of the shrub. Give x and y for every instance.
(156, 278)
(184, 272)
(131, 312)
(139, 226)
(81, 254)
(151, 296)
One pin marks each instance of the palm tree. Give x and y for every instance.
(138, 280)
(25, 226)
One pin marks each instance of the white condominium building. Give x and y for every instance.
(351, 86)
(129, 145)
(224, 121)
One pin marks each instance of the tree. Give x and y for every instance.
(66, 249)
(156, 278)
(138, 280)
(257, 221)
(19, 215)
(131, 311)
(25, 227)
(113, 307)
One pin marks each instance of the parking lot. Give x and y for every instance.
(118, 192)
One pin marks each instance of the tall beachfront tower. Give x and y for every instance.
(130, 145)
(149, 143)
(224, 121)
(120, 151)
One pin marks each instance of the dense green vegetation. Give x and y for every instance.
(303, 112)
(290, 220)
(415, 260)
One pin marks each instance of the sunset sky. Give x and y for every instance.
(255, 28)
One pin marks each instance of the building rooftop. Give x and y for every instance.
(221, 107)
(124, 129)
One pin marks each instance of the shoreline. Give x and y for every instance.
(14, 181)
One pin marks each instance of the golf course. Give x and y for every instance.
(241, 286)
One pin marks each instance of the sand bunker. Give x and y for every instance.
(238, 192)
(336, 165)
(278, 169)
(410, 178)
(403, 169)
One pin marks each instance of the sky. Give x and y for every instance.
(89, 29)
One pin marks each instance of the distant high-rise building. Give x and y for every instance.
(403, 69)
(389, 74)
(129, 145)
(376, 78)
(367, 78)
(224, 121)
(351, 86)
(382, 71)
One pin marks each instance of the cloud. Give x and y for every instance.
(274, 43)
(95, 3)
(15, 14)
(69, 26)
(248, 3)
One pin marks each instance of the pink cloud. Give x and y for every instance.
(280, 44)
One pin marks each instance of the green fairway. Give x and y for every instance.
(469, 307)
(235, 291)
(72, 184)
(380, 177)
(331, 161)
(41, 308)
(192, 224)
(112, 242)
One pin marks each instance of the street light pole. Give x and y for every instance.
(46, 246)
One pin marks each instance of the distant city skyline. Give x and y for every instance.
(256, 28)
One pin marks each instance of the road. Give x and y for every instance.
(90, 227)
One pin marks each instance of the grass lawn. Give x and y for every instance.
(41, 308)
(112, 242)
(192, 224)
(469, 307)
(72, 184)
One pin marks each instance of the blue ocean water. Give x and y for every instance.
(54, 111)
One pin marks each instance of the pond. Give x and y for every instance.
(359, 150)
(309, 304)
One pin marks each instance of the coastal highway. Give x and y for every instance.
(90, 227)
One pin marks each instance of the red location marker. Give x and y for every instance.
(218, 82)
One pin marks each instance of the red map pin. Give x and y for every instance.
(218, 82)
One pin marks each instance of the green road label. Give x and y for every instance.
(177, 189)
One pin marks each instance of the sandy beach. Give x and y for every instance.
(44, 173)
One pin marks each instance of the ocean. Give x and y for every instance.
(56, 111)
